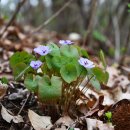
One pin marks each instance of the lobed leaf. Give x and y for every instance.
(69, 51)
(19, 57)
(69, 72)
(31, 82)
(49, 89)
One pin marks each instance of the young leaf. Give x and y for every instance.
(100, 75)
(99, 36)
(69, 72)
(128, 5)
(108, 115)
(49, 89)
(31, 82)
(102, 57)
(4, 80)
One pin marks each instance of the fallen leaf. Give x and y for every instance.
(7, 116)
(113, 74)
(39, 122)
(94, 123)
(66, 121)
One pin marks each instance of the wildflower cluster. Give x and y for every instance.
(55, 72)
(44, 50)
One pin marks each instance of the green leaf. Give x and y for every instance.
(69, 51)
(108, 115)
(42, 58)
(19, 70)
(55, 51)
(44, 68)
(31, 82)
(102, 57)
(99, 36)
(100, 75)
(128, 5)
(69, 73)
(4, 80)
(58, 61)
(81, 71)
(84, 53)
(71, 128)
(19, 57)
(49, 89)
(49, 62)
(95, 83)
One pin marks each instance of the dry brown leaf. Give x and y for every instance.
(6, 115)
(66, 121)
(93, 123)
(113, 73)
(39, 122)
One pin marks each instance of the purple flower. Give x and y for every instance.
(65, 42)
(86, 63)
(35, 64)
(42, 50)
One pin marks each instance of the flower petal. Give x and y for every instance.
(42, 50)
(86, 63)
(35, 64)
(65, 42)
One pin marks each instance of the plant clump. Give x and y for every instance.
(55, 72)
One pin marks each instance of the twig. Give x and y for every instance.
(0, 9)
(51, 18)
(87, 83)
(24, 104)
(91, 22)
(126, 46)
(20, 4)
(117, 38)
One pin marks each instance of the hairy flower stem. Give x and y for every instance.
(70, 95)
(87, 83)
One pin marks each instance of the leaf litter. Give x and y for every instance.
(90, 109)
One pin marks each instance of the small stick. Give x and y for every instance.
(91, 22)
(20, 4)
(51, 18)
(126, 46)
(24, 104)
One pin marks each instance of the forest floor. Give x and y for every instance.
(108, 109)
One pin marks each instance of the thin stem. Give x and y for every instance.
(24, 104)
(87, 82)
